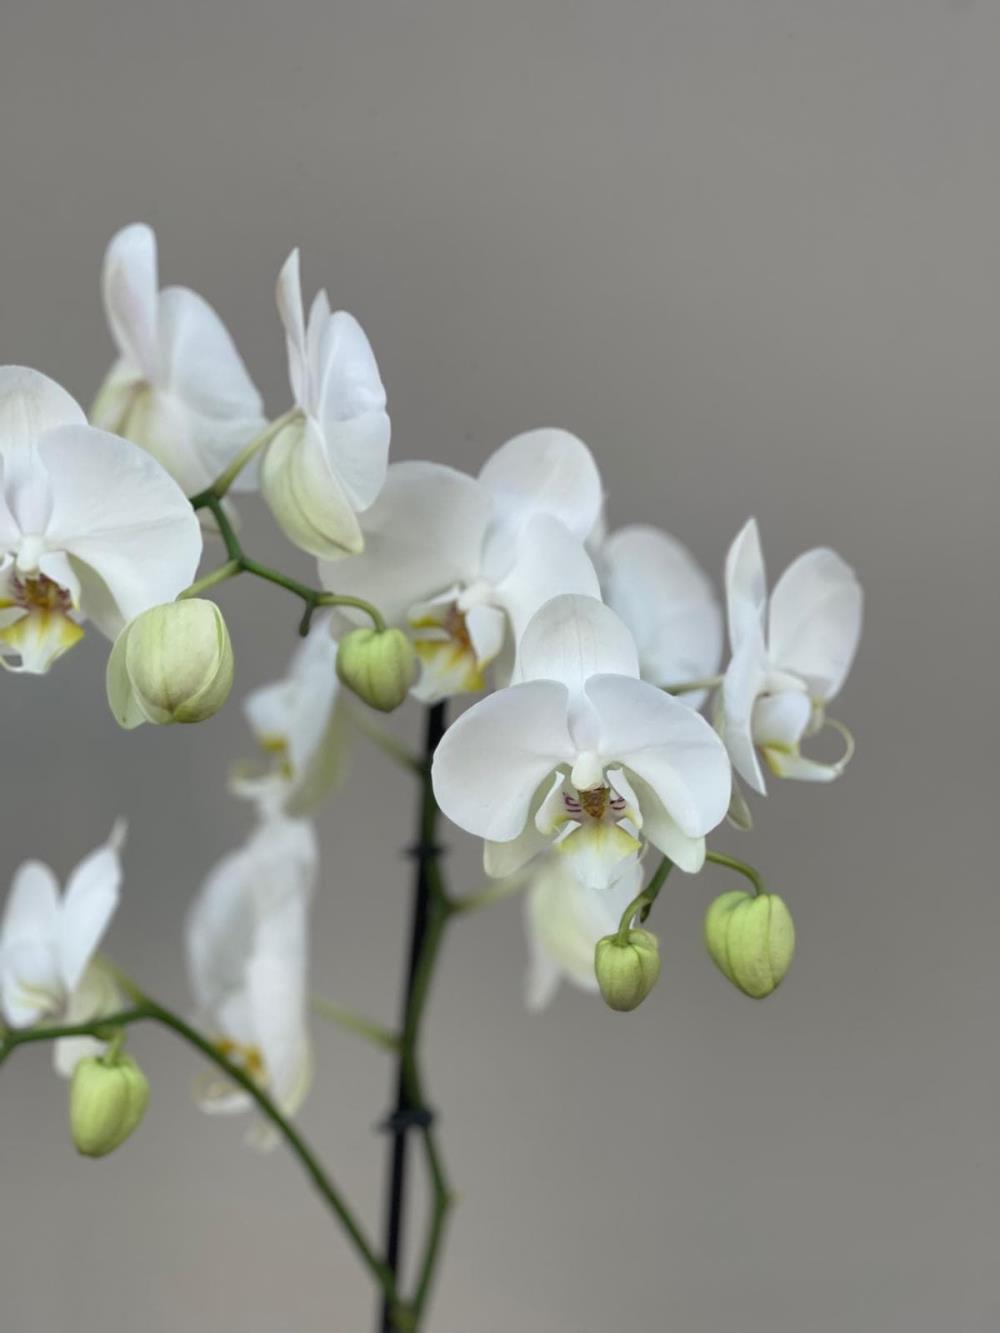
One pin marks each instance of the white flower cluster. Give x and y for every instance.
(594, 651)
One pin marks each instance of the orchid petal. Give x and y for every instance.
(491, 761)
(305, 494)
(746, 584)
(669, 604)
(744, 680)
(572, 638)
(550, 561)
(667, 745)
(781, 719)
(290, 308)
(543, 471)
(815, 621)
(130, 295)
(119, 515)
(351, 409)
(422, 535)
(92, 894)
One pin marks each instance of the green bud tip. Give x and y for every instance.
(751, 939)
(378, 665)
(173, 663)
(627, 969)
(108, 1097)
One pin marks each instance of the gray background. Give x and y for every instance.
(750, 253)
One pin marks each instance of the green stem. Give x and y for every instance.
(149, 1011)
(352, 1022)
(720, 859)
(238, 562)
(643, 901)
(225, 479)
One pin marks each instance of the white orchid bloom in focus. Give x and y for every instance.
(90, 525)
(564, 920)
(48, 939)
(179, 387)
(667, 601)
(247, 948)
(328, 462)
(466, 562)
(299, 721)
(581, 753)
(790, 657)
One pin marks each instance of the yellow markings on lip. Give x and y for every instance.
(248, 1058)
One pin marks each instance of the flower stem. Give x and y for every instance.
(754, 876)
(147, 1010)
(643, 901)
(352, 1022)
(432, 909)
(225, 479)
(238, 562)
(689, 686)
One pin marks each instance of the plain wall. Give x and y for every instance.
(749, 252)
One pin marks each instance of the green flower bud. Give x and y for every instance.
(627, 970)
(378, 665)
(107, 1099)
(751, 940)
(173, 663)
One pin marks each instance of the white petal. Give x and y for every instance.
(123, 519)
(667, 601)
(549, 561)
(815, 621)
(492, 759)
(92, 894)
(746, 584)
(351, 409)
(598, 852)
(290, 308)
(667, 745)
(30, 405)
(687, 853)
(276, 979)
(32, 911)
(781, 719)
(540, 472)
(487, 626)
(572, 638)
(744, 680)
(129, 285)
(422, 535)
(501, 859)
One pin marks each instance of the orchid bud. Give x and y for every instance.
(751, 939)
(107, 1099)
(308, 502)
(173, 663)
(378, 665)
(627, 970)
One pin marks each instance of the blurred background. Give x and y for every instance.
(750, 254)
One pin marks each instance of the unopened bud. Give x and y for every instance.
(627, 970)
(751, 939)
(173, 663)
(378, 665)
(107, 1099)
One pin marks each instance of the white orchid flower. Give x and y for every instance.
(667, 600)
(179, 387)
(247, 948)
(328, 463)
(90, 526)
(581, 753)
(790, 657)
(465, 562)
(564, 920)
(48, 942)
(299, 721)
